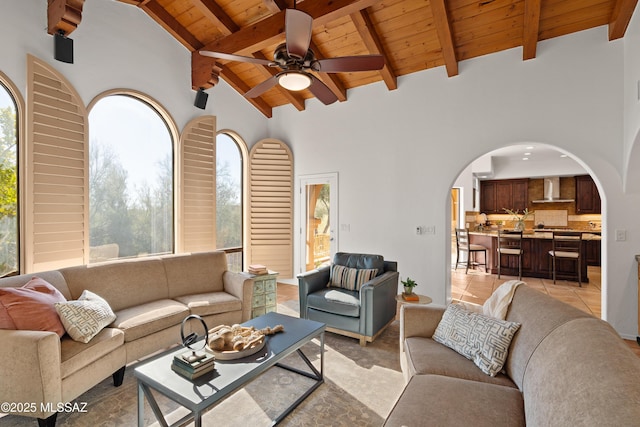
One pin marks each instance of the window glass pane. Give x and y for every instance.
(228, 193)
(130, 180)
(8, 183)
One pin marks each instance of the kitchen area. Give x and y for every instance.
(557, 195)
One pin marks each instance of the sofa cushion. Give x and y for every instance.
(210, 303)
(436, 400)
(426, 356)
(145, 319)
(336, 301)
(350, 279)
(85, 317)
(360, 261)
(75, 355)
(196, 273)
(31, 307)
(480, 338)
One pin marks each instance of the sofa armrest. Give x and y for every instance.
(240, 286)
(30, 370)
(309, 282)
(419, 321)
(378, 302)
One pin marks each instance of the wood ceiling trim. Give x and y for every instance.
(622, 12)
(205, 71)
(531, 28)
(239, 85)
(171, 24)
(370, 37)
(271, 29)
(445, 34)
(63, 15)
(218, 17)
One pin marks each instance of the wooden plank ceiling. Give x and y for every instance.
(413, 35)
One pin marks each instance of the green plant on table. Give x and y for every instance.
(408, 284)
(518, 218)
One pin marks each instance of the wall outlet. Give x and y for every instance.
(621, 235)
(431, 229)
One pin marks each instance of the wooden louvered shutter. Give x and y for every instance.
(271, 206)
(198, 185)
(57, 226)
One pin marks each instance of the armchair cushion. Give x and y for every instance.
(337, 301)
(348, 278)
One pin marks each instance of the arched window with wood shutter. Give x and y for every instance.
(198, 186)
(271, 206)
(56, 226)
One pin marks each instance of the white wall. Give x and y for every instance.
(398, 153)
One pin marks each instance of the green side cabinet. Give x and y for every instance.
(265, 294)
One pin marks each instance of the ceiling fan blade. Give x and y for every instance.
(298, 32)
(232, 57)
(321, 91)
(345, 64)
(261, 88)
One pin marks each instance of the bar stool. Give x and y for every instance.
(463, 245)
(567, 245)
(510, 244)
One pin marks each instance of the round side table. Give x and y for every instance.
(423, 299)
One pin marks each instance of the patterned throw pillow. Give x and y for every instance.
(482, 339)
(350, 278)
(84, 318)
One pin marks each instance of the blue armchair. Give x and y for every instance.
(362, 313)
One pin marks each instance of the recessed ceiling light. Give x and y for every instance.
(525, 158)
(530, 147)
(527, 154)
(563, 155)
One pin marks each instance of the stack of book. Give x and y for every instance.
(410, 297)
(258, 269)
(192, 370)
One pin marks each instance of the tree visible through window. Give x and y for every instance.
(228, 193)
(8, 184)
(130, 180)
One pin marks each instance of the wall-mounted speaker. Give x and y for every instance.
(201, 99)
(63, 48)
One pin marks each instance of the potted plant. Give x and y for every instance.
(408, 284)
(518, 219)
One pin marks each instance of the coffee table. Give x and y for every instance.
(229, 375)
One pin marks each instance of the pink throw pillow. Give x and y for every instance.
(31, 307)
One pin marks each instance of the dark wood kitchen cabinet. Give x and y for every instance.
(495, 195)
(587, 196)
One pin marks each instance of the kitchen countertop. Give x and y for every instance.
(534, 234)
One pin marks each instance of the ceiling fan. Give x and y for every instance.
(296, 60)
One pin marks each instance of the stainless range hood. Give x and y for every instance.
(552, 191)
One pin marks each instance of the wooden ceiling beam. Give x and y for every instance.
(63, 16)
(214, 13)
(372, 41)
(620, 17)
(240, 86)
(271, 29)
(205, 71)
(296, 100)
(531, 28)
(445, 35)
(169, 23)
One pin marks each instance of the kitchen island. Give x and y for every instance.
(536, 261)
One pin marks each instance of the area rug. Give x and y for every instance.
(361, 386)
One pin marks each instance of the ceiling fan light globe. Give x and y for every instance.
(294, 81)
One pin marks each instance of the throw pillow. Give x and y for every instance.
(86, 317)
(350, 278)
(31, 307)
(484, 340)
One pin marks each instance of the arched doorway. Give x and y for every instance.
(533, 164)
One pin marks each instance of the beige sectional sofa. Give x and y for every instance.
(564, 368)
(150, 298)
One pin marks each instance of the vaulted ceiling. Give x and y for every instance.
(412, 35)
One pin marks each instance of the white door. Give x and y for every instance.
(318, 241)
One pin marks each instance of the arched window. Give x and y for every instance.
(130, 179)
(229, 197)
(9, 226)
